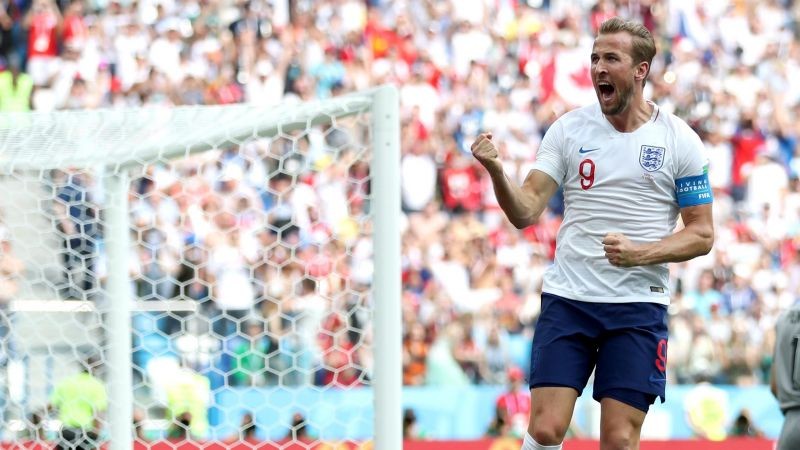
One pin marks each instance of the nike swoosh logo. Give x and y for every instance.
(587, 150)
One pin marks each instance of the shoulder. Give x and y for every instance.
(676, 125)
(573, 122)
(790, 315)
(681, 135)
(579, 116)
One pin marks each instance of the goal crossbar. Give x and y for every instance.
(73, 306)
(124, 137)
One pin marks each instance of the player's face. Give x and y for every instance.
(613, 72)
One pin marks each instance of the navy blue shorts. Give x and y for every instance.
(625, 343)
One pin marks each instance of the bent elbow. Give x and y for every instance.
(519, 224)
(707, 242)
(523, 222)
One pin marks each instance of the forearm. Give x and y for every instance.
(521, 208)
(684, 245)
(522, 204)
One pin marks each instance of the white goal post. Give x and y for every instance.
(120, 141)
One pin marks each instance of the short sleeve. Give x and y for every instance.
(692, 153)
(691, 176)
(549, 157)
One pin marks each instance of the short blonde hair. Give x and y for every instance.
(643, 47)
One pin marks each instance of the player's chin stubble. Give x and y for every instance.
(623, 100)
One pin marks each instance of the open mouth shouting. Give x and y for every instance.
(606, 91)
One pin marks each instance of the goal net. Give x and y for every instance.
(202, 274)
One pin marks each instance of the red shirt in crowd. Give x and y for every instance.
(42, 35)
(340, 362)
(515, 403)
(380, 39)
(746, 144)
(75, 31)
(461, 188)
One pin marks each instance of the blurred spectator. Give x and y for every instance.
(747, 142)
(138, 425)
(739, 295)
(739, 357)
(35, 426)
(329, 73)
(703, 360)
(442, 366)
(298, 431)
(16, 87)
(498, 427)
(77, 223)
(44, 25)
(497, 356)
(411, 429)
(11, 269)
(706, 408)
(180, 427)
(720, 156)
(415, 353)
(247, 431)
(340, 365)
(515, 128)
(7, 24)
(767, 182)
(80, 400)
(418, 176)
(468, 355)
(743, 426)
(76, 32)
(232, 291)
(248, 428)
(250, 355)
(265, 82)
(702, 300)
(187, 398)
(514, 405)
(461, 187)
(305, 313)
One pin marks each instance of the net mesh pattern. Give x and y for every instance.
(250, 265)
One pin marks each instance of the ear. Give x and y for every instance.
(642, 69)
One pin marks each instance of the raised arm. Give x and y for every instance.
(522, 204)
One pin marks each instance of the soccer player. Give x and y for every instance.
(627, 170)
(786, 376)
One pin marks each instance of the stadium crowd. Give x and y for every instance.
(269, 237)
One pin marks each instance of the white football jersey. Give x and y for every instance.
(628, 183)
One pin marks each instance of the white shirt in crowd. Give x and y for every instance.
(418, 176)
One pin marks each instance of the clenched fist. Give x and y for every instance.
(620, 251)
(484, 151)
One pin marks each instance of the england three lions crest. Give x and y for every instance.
(651, 158)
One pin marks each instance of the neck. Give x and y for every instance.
(635, 115)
